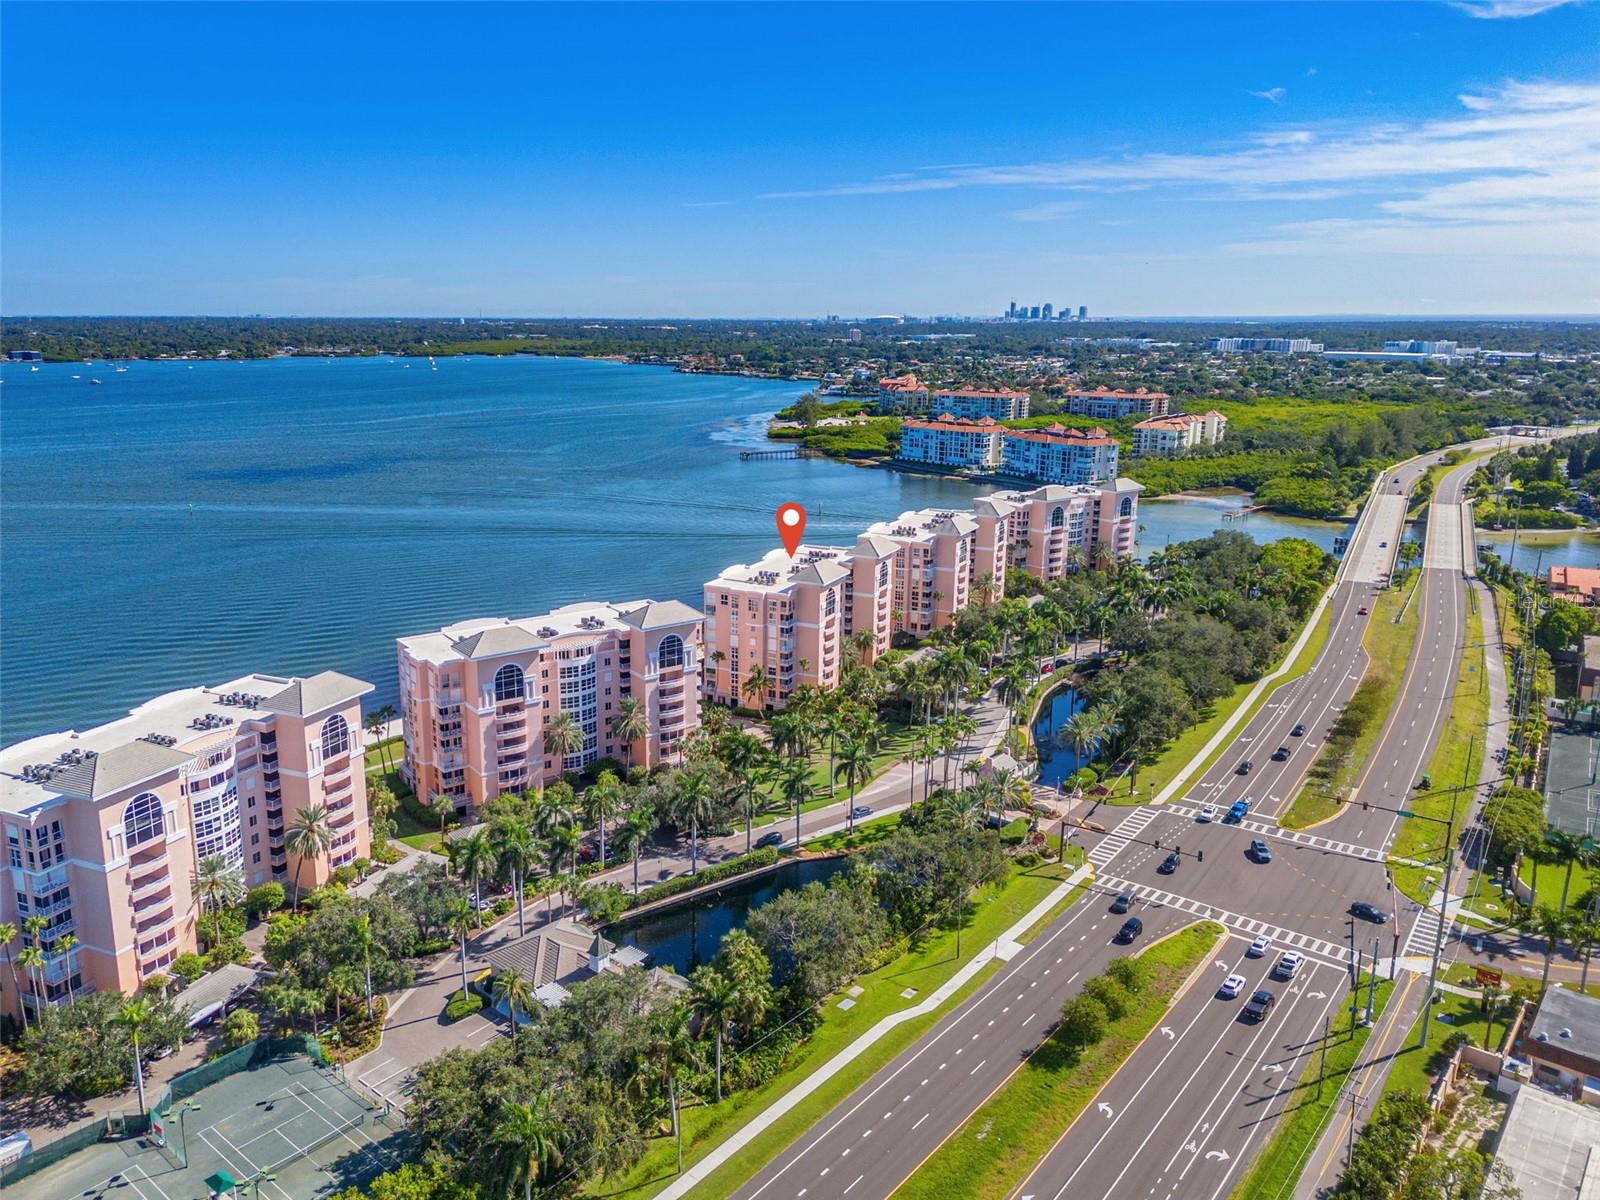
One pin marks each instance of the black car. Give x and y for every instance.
(1260, 851)
(1258, 1006)
(1244, 768)
(1169, 864)
(1369, 912)
(770, 839)
(1131, 928)
(1123, 902)
(1281, 754)
(1298, 731)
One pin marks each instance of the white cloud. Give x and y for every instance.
(1053, 210)
(1271, 95)
(1492, 10)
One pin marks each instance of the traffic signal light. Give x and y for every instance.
(1365, 807)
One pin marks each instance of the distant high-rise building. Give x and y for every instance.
(855, 336)
(1033, 313)
(1012, 311)
(1049, 312)
(1083, 312)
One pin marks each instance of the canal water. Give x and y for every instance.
(684, 935)
(1057, 762)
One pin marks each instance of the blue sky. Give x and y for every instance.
(677, 160)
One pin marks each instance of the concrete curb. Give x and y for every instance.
(783, 1104)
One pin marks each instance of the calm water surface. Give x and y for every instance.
(1056, 762)
(185, 523)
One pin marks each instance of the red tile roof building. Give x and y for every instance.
(1104, 404)
(1181, 431)
(1056, 454)
(952, 442)
(1580, 585)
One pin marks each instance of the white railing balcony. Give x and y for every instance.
(50, 910)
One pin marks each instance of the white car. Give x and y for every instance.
(1259, 947)
(1288, 964)
(1231, 987)
(1208, 813)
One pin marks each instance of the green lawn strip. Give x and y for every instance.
(1457, 760)
(1181, 751)
(924, 968)
(1552, 879)
(1412, 1067)
(1388, 647)
(1278, 1165)
(896, 743)
(1482, 900)
(1017, 1125)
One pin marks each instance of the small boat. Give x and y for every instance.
(122, 370)
(94, 381)
(77, 376)
(33, 368)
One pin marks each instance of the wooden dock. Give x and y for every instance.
(790, 452)
(1239, 514)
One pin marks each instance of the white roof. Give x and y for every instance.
(921, 525)
(776, 572)
(489, 637)
(1551, 1145)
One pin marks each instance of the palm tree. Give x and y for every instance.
(631, 835)
(524, 1142)
(1083, 730)
(986, 794)
(965, 810)
(550, 810)
(309, 836)
(516, 990)
(658, 1063)
(135, 1019)
(601, 802)
(8, 933)
(743, 755)
(563, 736)
(1584, 929)
(361, 927)
(1551, 925)
(855, 764)
(461, 919)
(1012, 790)
(714, 997)
(693, 803)
(516, 852)
(31, 960)
(563, 845)
(797, 792)
(64, 948)
(472, 857)
(445, 805)
(630, 724)
(756, 684)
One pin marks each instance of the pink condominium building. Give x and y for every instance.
(794, 618)
(1043, 526)
(475, 697)
(104, 828)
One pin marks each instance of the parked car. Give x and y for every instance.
(1281, 754)
(1298, 731)
(1260, 851)
(1131, 928)
(1288, 964)
(1369, 912)
(1169, 864)
(770, 839)
(1259, 947)
(1124, 901)
(1243, 768)
(1258, 1006)
(1047, 668)
(1231, 987)
(1208, 813)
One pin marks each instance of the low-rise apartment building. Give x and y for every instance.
(1002, 405)
(106, 827)
(952, 441)
(902, 394)
(794, 618)
(1056, 454)
(476, 697)
(1181, 431)
(1106, 404)
(1578, 585)
(1051, 530)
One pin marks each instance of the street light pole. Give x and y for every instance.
(1444, 916)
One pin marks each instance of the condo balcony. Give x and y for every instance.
(50, 910)
(338, 787)
(165, 919)
(155, 885)
(153, 900)
(147, 854)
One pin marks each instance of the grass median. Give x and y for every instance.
(1453, 771)
(1339, 764)
(1017, 1126)
(995, 909)
(1277, 1168)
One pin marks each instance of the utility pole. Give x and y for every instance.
(1355, 984)
(1322, 1065)
(1444, 917)
(1372, 982)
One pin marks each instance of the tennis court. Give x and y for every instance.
(286, 1130)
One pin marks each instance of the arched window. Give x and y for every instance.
(1125, 509)
(508, 682)
(670, 652)
(1058, 517)
(830, 604)
(141, 820)
(335, 737)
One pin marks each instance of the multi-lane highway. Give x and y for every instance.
(1194, 1102)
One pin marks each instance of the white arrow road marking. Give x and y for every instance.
(1166, 1032)
(1272, 1067)
(1220, 963)
(1219, 1155)
(1107, 1109)
(1318, 995)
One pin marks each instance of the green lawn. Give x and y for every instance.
(897, 742)
(1278, 1165)
(995, 909)
(1016, 1127)
(1388, 647)
(1413, 1067)
(1181, 751)
(1456, 761)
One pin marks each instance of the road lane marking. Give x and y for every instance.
(921, 1119)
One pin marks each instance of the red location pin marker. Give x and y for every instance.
(791, 526)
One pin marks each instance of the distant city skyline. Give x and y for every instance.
(737, 161)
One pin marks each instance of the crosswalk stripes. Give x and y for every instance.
(1299, 837)
(1249, 926)
(1112, 844)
